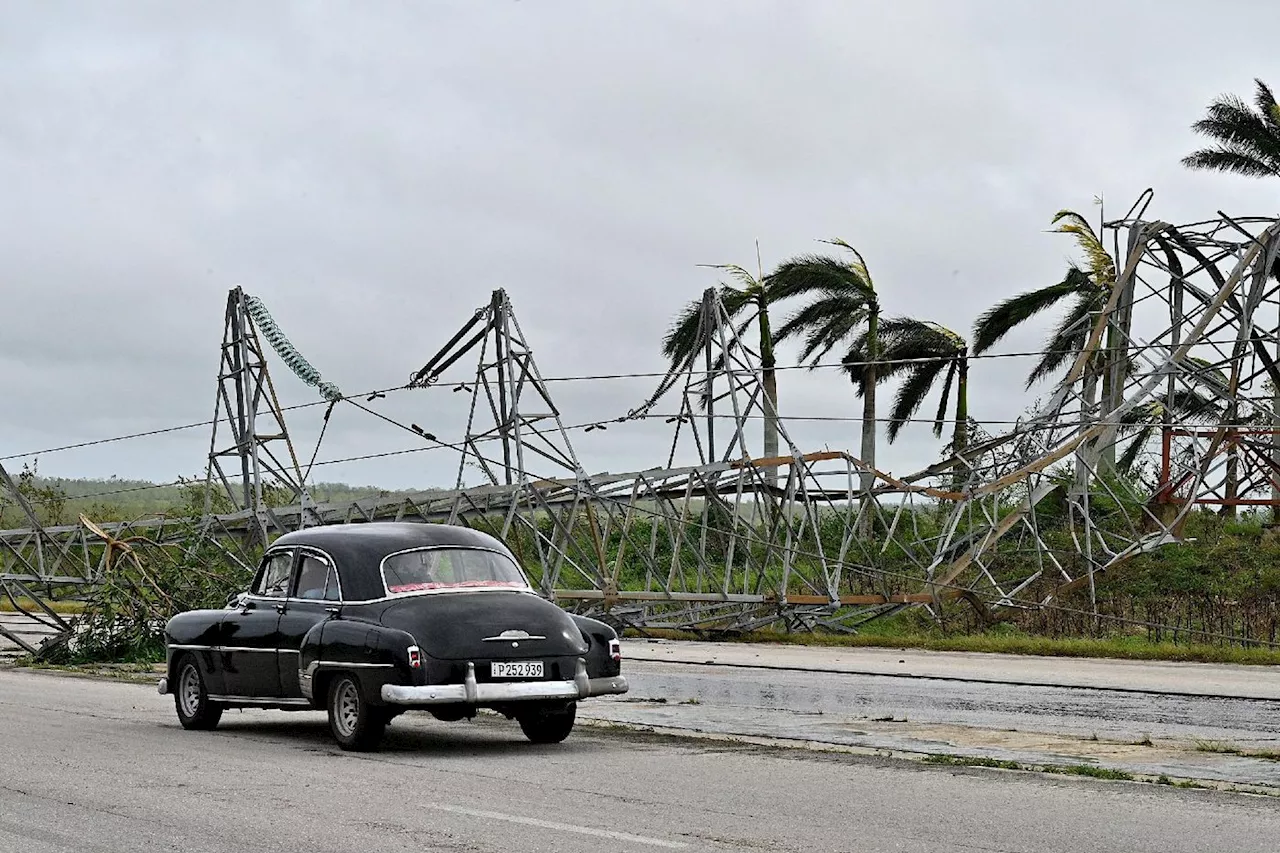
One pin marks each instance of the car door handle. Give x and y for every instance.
(280, 608)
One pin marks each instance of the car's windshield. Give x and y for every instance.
(449, 568)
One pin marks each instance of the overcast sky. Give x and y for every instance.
(373, 171)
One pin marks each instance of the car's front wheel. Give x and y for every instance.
(191, 698)
(356, 724)
(548, 725)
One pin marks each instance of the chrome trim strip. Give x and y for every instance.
(513, 634)
(306, 675)
(253, 700)
(448, 591)
(470, 692)
(196, 647)
(326, 601)
(399, 596)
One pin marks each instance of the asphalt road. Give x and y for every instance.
(1141, 717)
(910, 713)
(1159, 678)
(103, 766)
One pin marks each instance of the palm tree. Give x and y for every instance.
(1248, 140)
(1088, 290)
(921, 352)
(843, 301)
(745, 304)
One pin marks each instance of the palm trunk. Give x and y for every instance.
(868, 453)
(770, 377)
(960, 437)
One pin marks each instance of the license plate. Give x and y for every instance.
(516, 669)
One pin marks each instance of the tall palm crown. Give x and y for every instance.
(842, 300)
(1088, 289)
(746, 303)
(1248, 140)
(921, 352)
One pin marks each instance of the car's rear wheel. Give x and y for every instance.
(356, 724)
(548, 725)
(191, 697)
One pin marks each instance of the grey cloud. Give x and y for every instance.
(374, 176)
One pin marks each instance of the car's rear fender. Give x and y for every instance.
(375, 654)
(602, 639)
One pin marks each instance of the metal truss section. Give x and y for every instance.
(249, 428)
(41, 565)
(721, 375)
(511, 419)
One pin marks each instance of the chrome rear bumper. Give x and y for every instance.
(470, 692)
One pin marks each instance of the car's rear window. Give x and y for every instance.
(449, 568)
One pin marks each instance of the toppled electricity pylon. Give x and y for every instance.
(522, 422)
(32, 563)
(246, 407)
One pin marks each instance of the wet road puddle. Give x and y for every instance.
(1177, 736)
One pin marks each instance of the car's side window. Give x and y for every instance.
(274, 580)
(331, 590)
(313, 575)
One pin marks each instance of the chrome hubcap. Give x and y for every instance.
(189, 690)
(348, 708)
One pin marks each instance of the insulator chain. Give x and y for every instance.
(286, 350)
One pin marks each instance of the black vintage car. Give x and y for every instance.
(372, 619)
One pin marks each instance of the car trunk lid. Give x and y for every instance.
(486, 624)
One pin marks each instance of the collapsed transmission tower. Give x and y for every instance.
(246, 407)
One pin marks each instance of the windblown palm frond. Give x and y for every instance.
(823, 276)
(920, 352)
(745, 304)
(1102, 267)
(1247, 140)
(1090, 290)
(825, 322)
(1068, 338)
(1005, 316)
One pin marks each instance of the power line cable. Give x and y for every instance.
(381, 392)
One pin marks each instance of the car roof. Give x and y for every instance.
(359, 547)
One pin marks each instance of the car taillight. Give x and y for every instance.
(415, 657)
(615, 649)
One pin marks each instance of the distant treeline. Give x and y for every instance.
(58, 500)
